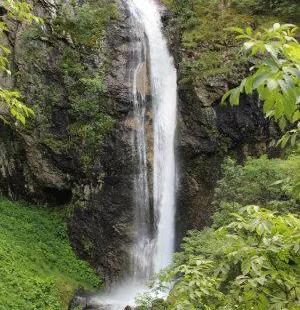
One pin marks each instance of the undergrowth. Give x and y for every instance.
(38, 269)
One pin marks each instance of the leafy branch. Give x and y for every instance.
(276, 78)
(11, 100)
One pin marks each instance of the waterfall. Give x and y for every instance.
(144, 245)
(154, 185)
(157, 252)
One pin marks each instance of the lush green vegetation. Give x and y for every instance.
(210, 53)
(285, 8)
(253, 263)
(11, 99)
(89, 102)
(79, 92)
(87, 91)
(288, 9)
(263, 182)
(249, 259)
(86, 24)
(38, 269)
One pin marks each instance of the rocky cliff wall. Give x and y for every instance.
(207, 132)
(77, 150)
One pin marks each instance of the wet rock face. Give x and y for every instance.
(104, 222)
(206, 136)
(207, 133)
(44, 165)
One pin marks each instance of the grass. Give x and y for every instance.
(38, 269)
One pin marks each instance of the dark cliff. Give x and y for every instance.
(77, 150)
(209, 63)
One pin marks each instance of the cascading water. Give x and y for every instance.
(157, 252)
(164, 97)
(144, 245)
(154, 225)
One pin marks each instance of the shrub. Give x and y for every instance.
(87, 23)
(262, 181)
(252, 263)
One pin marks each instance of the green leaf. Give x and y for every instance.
(293, 71)
(271, 84)
(248, 85)
(235, 96)
(296, 116)
(242, 36)
(271, 63)
(248, 45)
(284, 140)
(282, 123)
(279, 109)
(261, 78)
(277, 182)
(226, 95)
(235, 29)
(293, 139)
(260, 228)
(249, 30)
(255, 49)
(273, 50)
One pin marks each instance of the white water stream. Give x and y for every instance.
(154, 225)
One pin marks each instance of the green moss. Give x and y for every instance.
(86, 24)
(32, 32)
(91, 134)
(209, 50)
(88, 247)
(38, 269)
(77, 82)
(58, 145)
(89, 103)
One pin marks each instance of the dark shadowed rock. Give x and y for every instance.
(208, 132)
(43, 164)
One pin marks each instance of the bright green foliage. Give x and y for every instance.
(38, 269)
(16, 108)
(277, 78)
(89, 103)
(87, 23)
(286, 8)
(266, 247)
(262, 181)
(21, 11)
(249, 258)
(253, 263)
